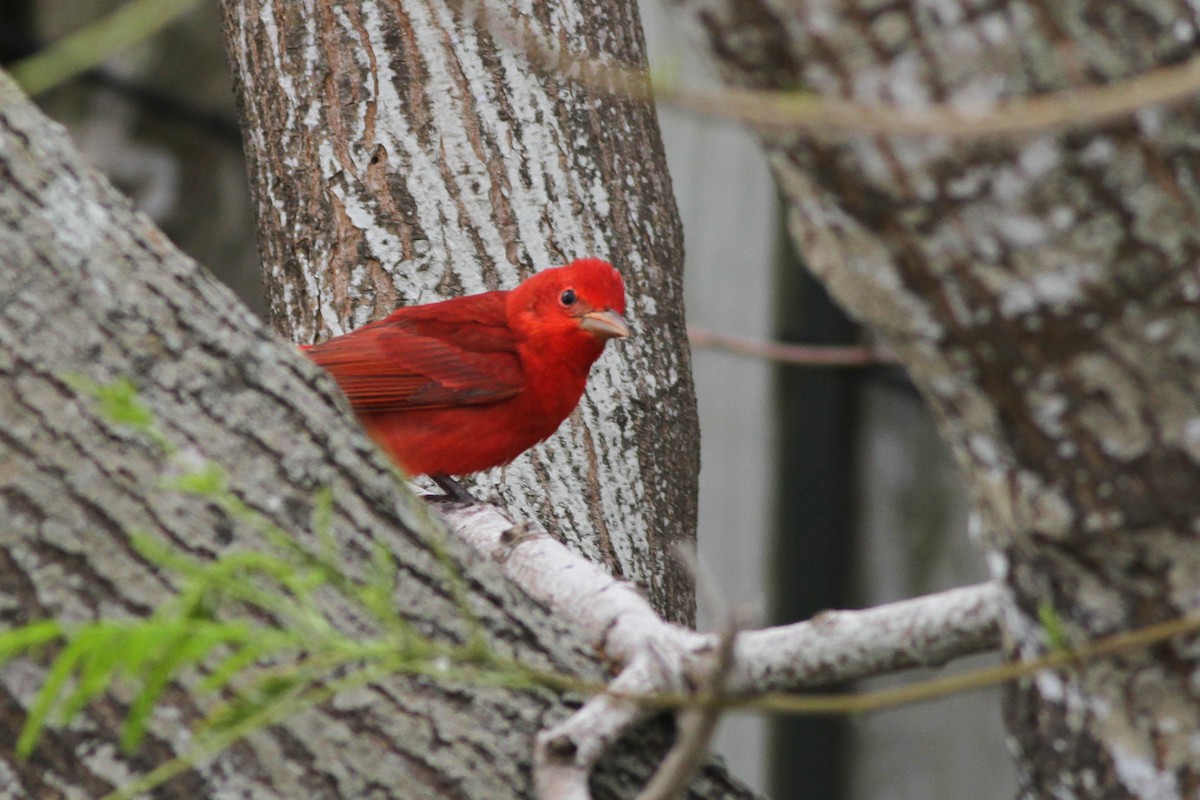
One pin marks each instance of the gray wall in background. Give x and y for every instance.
(729, 210)
(913, 540)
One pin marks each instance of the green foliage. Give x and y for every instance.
(148, 653)
(14, 642)
(208, 480)
(119, 402)
(1056, 634)
(250, 628)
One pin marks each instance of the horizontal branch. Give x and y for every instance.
(657, 658)
(806, 355)
(801, 111)
(839, 646)
(832, 647)
(1006, 117)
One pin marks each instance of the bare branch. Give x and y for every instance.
(658, 658)
(839, 646)
(696, 725)
(800, 354)
(796, 111)
(1020, 116)
(832, 647)
(1075, 657)
(565, 754)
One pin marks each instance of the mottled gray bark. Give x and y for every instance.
(406, 152)
(1043, 293)
(89, 288)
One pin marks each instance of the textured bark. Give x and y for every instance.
(89, 288)
(405, 152)
(1043, 293)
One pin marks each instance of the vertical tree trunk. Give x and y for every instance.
(1043, 293)
(405, 152)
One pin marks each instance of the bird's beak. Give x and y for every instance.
(604, 325)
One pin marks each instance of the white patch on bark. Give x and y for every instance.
(1057, 291)
(1099, 152)
(1062, 217)
(978, 97)
(74, 221)
(1140, 776)
(997, 563)
(1022, 505)
(1048, 409)
(1040, 156)
(1050, 686)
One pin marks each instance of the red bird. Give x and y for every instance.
(471, 383)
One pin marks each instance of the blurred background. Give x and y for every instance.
(820, 487)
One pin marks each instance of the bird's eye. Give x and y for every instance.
(568, 297)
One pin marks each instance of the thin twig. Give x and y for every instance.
(697, 725)
(565, 754)
(88, 47)
(798, 354)
(1011, 117)
(860, 702)
(800, 111)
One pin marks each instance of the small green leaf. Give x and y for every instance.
(164, 554)
(267, 692)
(120, 403)
(209, 480)
(1056, 635)
(322, 522)
(60, 672)
(28, 637)
(241, 658)
(101, 656)
(377, 594)
(185, 645)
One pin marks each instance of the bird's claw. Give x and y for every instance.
(454, 492)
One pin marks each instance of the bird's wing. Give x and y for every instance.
(457, 352)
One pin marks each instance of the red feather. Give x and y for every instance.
(470, 383)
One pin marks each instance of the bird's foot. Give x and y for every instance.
(455, 493)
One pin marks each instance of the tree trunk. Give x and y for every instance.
(1042, 292)
(406, 152)
(90, 289)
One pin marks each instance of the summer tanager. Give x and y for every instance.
(471, 383)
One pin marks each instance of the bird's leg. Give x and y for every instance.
(454, 491)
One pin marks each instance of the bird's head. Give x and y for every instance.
(581, 303)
